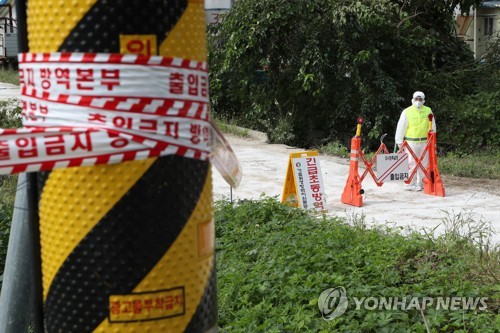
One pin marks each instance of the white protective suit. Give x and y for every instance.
(417, 147)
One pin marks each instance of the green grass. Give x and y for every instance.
(334, 148)
(227, 127)
(274, 261)
(10, 117)
(9, 76)
(485, 164)
(7, 197)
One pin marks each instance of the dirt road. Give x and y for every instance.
(264, 169)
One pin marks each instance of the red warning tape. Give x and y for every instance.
(87, 109)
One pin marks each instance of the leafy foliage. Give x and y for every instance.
(289, 68)
(493, 50)
(10, 114)
(273, 262)
(469, 116)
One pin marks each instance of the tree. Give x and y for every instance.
(291, 67)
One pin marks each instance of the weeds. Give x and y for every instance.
(227, 127)
(334, 148)
(283, 132)
(273, 262)
(467, 226)
(468, 231)
(483, 164)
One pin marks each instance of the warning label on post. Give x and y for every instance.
(147, 305)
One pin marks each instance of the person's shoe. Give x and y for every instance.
(418, 188)
(409, 187)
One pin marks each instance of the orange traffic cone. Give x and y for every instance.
(434, 184)
(352, 190)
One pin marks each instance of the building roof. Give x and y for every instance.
(490, 4)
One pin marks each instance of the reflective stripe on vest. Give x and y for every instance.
(418, 123)
(415, 139)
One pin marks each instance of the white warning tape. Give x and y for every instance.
(88, 109)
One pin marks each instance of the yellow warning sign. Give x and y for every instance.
(304, 182)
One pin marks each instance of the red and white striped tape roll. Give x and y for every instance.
(88, 109)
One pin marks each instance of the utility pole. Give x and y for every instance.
(127, 247)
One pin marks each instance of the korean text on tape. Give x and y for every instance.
(87, 109)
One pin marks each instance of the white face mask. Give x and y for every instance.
(418, 104)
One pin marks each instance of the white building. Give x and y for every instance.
(479, 26)
(8, 29)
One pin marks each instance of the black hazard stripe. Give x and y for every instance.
(205, 316)
(128, 242)
(125, 245)
(100, 28)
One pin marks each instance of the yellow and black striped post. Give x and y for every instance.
(126, 247)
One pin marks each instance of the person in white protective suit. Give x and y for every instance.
(413, 126)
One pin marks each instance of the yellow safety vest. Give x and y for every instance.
(418, 123)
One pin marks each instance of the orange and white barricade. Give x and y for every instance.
(353, 191)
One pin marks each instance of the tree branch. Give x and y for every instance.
(408, 18)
